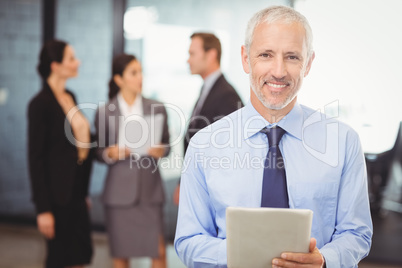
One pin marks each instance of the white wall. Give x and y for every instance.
(359, 63)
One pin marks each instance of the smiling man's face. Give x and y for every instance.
(277, 62)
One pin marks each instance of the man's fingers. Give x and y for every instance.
(295, 257)
(288, 259)
(281, 263)
(300, 257)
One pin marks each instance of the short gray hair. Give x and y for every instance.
(279, 14)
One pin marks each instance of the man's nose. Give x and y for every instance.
(279, 68)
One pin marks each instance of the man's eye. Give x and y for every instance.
(264, 55)
(293, 57)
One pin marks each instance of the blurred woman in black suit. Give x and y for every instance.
(59, 160)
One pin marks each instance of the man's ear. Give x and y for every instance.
(309, 63)
(245, 60)
(212, 55)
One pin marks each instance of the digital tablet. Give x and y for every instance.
(255, 236)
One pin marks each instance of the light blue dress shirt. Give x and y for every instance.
(325, 171)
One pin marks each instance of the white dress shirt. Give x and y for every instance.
(125, 111)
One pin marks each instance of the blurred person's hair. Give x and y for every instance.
(279, 14)
(210, 41)
(52, 50)
(119, 64)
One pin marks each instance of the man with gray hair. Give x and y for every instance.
(309, 160)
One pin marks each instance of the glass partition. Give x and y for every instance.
(158, 32)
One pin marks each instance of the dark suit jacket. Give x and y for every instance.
(221, 101)
(129, 181)
(52, 157)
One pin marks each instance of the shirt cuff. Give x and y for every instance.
(222, 254)
(331, 257)
(106, 158)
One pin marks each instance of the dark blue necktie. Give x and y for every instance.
(274, 188)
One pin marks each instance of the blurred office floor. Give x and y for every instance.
(21, 246)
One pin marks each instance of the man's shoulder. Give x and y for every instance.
(327, 121)
(223, 85)
(224, 93)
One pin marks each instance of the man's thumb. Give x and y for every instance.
(313, 243)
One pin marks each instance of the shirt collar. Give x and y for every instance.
(253, 121)
(129, 108)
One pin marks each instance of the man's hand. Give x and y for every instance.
(294, 260)
(45, 222)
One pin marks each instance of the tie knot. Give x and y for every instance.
(274, 135)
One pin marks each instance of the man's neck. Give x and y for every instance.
(209, 71)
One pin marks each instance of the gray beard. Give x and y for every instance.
(264, 102)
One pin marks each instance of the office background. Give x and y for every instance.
(355, 76)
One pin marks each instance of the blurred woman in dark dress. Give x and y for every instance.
(59, 160)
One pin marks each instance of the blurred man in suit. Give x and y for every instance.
(217, 97)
